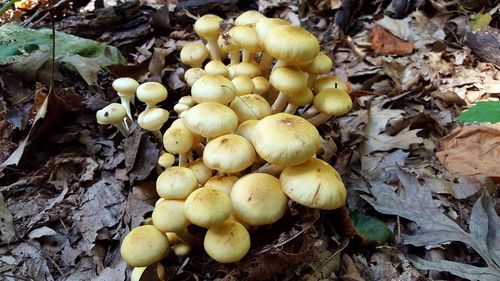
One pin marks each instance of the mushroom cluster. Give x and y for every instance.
(245, 140)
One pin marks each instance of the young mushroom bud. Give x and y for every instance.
(321, 64)
(143, 246)
(181, 249)
(194, 54)
(202, 172)
(125, 88)
(227, 242)
(179, 140)
(113, 114)
(327, 82)
(208, 28)
(221, 183)
(262, 27)
(261, 85)
(151, 93)
(193, 74)
(249, 18)
(166, 160)
(216, 67)
(243, 85)
(245, 37)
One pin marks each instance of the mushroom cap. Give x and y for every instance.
(258, 199)
(179, 108)
(221, 183)
(216, 88)
(166, 160)
(261, 85)
(320, 64)
(288, 80)
(304, 97)
(144, 245)
(176, 183)
(193, 74)
(181, 249)
(168, 216)
(245, 37)
(178, 139)
(249, 17)
(333, 102)
(227, 242)
(208, 26)
(152, 119)
(125, 86)
(211, 119)
(207, 207)
(216, 67)
(284, 139)
(314, 184)
(194, 53)
(291, 44)
(243, 84)
(247, 68)
(113, 113)
(151, 93)
(187, 100)
(202, 172)
(137, 272)
(326, 82)
(229, 153)
(245, 129)
(251, 106)
(264, 25)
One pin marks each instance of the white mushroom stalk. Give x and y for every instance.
(126, 88)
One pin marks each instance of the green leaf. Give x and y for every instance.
(25, 50)
(483, 111)
(372, 230)
(480, 21)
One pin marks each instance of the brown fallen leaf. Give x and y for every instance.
(383, 42)
(472, 150)
(7, 231)
(351, 272)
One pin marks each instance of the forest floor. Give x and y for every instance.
(422, 189)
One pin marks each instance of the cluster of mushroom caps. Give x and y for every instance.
(245, 141)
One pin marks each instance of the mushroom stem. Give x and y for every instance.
(291, 108)
(213, 48)
(311, 79)
(247, 55)
(265, 63)
(312, 111)
(122, 128)
(319, 119)
(183, 159)
(158, 136)
(279, 103)
(235, 57)
(188, 238)
(190, 156)
(125, 101)
(271, 169)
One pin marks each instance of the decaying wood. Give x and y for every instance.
(485, 43)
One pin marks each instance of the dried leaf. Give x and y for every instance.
(383, 42)
(377, 140)
(472, 150)
(7, 231)
(434, 227)
(467, 271)
(141, 155)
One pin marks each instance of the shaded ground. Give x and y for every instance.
(79, 188)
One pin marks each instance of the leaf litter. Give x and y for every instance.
(87, 187)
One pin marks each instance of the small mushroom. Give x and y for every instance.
(262, 27)
(207, 207)
(202, 172)
(194, 54)
(168, 216)
(216, 67)
(330, 102)
(321, 64)
(243, 85)
(152, 120)
(222, 183)
(249, 107)
(261, 85)
(126, 87)
(137, 272)
(213, 88)
(229, 154)
(208, 28)
(113, 114)
(151, 93)
(227, 242)
(211, 119)
(176, 183)
(245, 37)
(289, 81)
(166, 160)
(143, 246)
(193, 74)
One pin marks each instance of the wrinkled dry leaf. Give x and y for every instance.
(434, 227)
(141, 155)
(383, 42)
(416, 27)
(402, 71)
(472, 150)
(7, 231)
(377, 140)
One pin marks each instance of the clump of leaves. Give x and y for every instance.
(434, 227)
(484, 111)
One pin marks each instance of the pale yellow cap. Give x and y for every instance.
(168, 216)
(113, 113)
(152, 119)
(333, 102)
(251, 106)
(229, 153)
(243, 84)
(288, 80)
(291, 44)
(222, 183)
(249, 18)
(193, 74)
(326, 82)
(216, 67)
(208, 26)
(314, 184)
(320, 64)
(125, 86)
(176, 183)
(144, 245)
(261, 85)
(245, 129)
(202, 172)
(227, 242)
(211, 119)
(151, 93)
(207, 207)
(194, 54)
(215, 88)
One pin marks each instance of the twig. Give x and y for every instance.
(331, 257)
